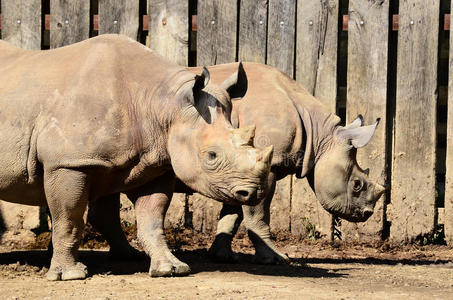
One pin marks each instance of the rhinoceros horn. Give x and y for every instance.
(244, 136)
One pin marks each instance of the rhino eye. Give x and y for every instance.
(357, 185)
(212, 155)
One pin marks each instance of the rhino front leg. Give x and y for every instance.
(104, 216)
(150, 208)
(230, 219)
(257, 222)
(67, 197)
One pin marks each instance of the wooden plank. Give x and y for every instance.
(280, 35)
(448, 210)
(412, 207)
(316, 70)
(253, 30)
(120, 17)
(316, 46)
(205, 213)
(21, 23)
(280, 210)
(367, 95)
(216, 35)
(281, 32)
(70, 22)
(169, 29)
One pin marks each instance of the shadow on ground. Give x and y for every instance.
(100, 262)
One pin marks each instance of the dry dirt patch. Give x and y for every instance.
(318, 271)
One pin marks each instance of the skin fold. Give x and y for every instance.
(83, 123)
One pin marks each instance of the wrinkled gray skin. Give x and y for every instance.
(80, 124)
(308, 141)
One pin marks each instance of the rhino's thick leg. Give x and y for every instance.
(257, 222)
(67, 197)
(104, 216)
(230, 219)
(150, 208)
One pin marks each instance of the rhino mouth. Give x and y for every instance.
(357, 216)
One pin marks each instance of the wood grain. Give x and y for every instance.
(70, 22)
(216, 35)
(448, 211)
(411, 211)
(253, 30)
(169, 29)
(120, 17)
(281, 35)
(316, 70)
(367, 95)
(21, 23)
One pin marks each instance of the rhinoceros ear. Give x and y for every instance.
(358, 136)
(236, 84)
(356, 123)
(201, 81)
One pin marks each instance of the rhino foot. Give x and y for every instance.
(269, 257)
(265, 250)
(168, 268)
(78, 271)
(220, 250)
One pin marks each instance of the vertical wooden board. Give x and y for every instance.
(21, 27)
(69, 22)
(307, 211)
(253, 30)
(175, 213)
(120, 17)
(169, 29)
(205, 213)
(448, 211)
(280, 35)
(21, 23)
(127, 210)
(281, 206)
(411, 211)
(316, 70)
(216, 33)
(367, 95)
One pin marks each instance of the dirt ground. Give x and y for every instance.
(318, 270)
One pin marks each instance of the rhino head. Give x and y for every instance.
(208, 154)
(342, 187)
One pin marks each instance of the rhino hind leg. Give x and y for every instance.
(230, 219)
(257, 222)
(151, 204)
(104, 216)
(67, 197)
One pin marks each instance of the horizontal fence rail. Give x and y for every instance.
(387, 59)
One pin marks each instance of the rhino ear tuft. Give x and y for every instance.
(236, 85)
(358, 122)
(201, 81)
(358, 137)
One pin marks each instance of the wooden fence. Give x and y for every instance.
(380, 58)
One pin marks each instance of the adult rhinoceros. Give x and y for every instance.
(82, 123)
(308, 141)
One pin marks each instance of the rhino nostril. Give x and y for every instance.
(242, 193)
(245, 195)
(367, 213)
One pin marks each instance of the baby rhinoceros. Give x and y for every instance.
(80, 124)
(309, 142)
